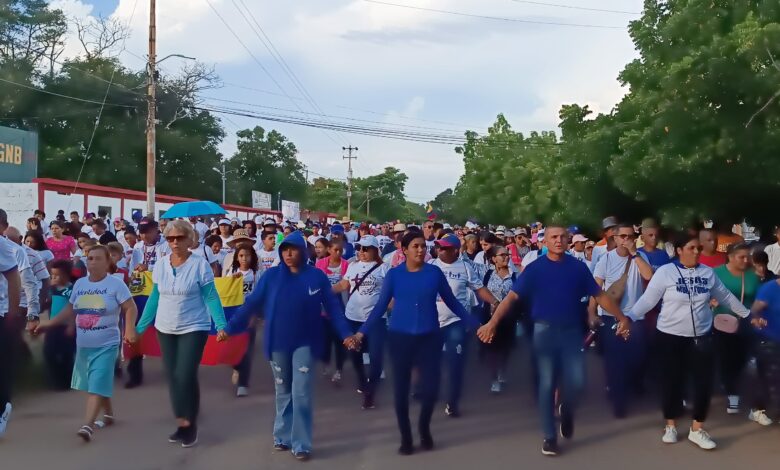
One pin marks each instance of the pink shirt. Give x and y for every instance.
(62, 249)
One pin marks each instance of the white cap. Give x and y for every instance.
(369, 240)
(223, 222)
(258, 219)
(269, 221)
(447, 226)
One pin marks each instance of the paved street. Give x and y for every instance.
(496, 432)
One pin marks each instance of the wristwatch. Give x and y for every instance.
(31, 317)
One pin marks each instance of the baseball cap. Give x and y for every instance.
(268, 221)
(449, 241)
(337, 228)
(579, 238)
(574, 229)
(609, 222)
(223, 222)
(259, 219)
(540, 233)
(649, 223)
(147, 225)
(399, 228)
(521, 231)
(590, 243)
(369, 240)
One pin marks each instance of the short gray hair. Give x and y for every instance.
(181, 226)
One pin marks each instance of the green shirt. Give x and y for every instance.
(734, 285)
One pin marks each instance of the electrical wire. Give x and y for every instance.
(573, 7)
(257, 61)
(271, 48)
(496, 18)
(59, 95)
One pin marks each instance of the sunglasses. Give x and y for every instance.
(176, 238)
(624, 236)
(365, 248)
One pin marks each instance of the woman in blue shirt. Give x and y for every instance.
(767, 350)
(413, 335)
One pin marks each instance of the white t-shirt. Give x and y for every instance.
(46, 255)
(351, 236)
(151, 254)
(529, 258)
(383, 240)
(610, 268)
(313, 239)
(598, 252)
(132, 258)
(268, 258)
(96, 305)
(181, 308)
(225, 240)
(773, 251)
(202, 230)
(362, 301)
(462, 279)
(580, 255)
(9, 259)
(206, 253)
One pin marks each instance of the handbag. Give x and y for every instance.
(726, 323)
(359, 281)
(618, 288)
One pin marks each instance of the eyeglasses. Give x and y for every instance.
(177, 238)
(502, 255)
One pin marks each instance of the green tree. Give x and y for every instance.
(266, 162)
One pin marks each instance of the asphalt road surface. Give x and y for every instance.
(496, 432)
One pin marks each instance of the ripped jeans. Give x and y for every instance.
(294, 380)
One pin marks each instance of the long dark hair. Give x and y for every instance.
(253, 260)
(38, 242)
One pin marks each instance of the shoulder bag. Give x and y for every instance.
(618, 288)
(726, 323)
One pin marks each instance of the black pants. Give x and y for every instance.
(244, 368)
(423, 352)
(59, 351)
(7, 361)
(181, 355)
(682, 358)
(767, 392)
(332, 342)
(733, 350)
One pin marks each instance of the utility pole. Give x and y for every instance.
(368, 202)
(224, 180)
(349, 179)
(151, 131)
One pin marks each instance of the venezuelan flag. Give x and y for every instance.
(231, 293)
(430, 212)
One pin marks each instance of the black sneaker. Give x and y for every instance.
(426, 441)
(131, 384)
(368, 401)
(407, 448)
(189, 436)
(567, 422)
(177, 436)
(281, 447)
(303, 456)
(452, 411)
(550, 447)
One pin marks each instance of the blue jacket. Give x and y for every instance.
(314, 293)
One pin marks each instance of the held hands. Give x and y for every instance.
(37, 328)
(31, 325)
(354, 342)
(759, 323)
(487, 332)
(221, 336)
(624, 328)
(131, 336)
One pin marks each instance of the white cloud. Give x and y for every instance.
(400, 63)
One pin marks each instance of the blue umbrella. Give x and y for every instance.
(193, 209)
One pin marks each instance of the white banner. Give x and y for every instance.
(291, 210)
(261, 200)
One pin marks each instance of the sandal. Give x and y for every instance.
(85, 432)
(107, 420)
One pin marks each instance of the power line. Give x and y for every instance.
(59, 95)
(271, 48)
(495, 18)
(257, 61)
(573, 7)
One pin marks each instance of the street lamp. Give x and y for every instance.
(222, 172)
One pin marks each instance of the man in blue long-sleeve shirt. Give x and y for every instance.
(290, 297)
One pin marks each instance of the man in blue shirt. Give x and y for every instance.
(557, 289)
(649, 235)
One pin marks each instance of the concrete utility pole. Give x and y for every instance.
(151, 123)
(368, 202)
(349, 179)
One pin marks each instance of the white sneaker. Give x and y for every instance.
(242, 391)
(382, 376)
(701, 439)
(495, 387)
(760, 417)
(501, 379)
(4, 418)
(733, 407)
(336, 378)
(670, 435)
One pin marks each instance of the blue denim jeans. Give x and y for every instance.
(623, 362)
(293, 378)
(455, 343)
(558, 351)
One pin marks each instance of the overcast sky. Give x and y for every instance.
(363, 60)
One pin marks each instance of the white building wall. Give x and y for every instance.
(20, 200)
(113, 204)
(54, 201)
(131, 204)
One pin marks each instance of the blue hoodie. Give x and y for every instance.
(292, 306)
